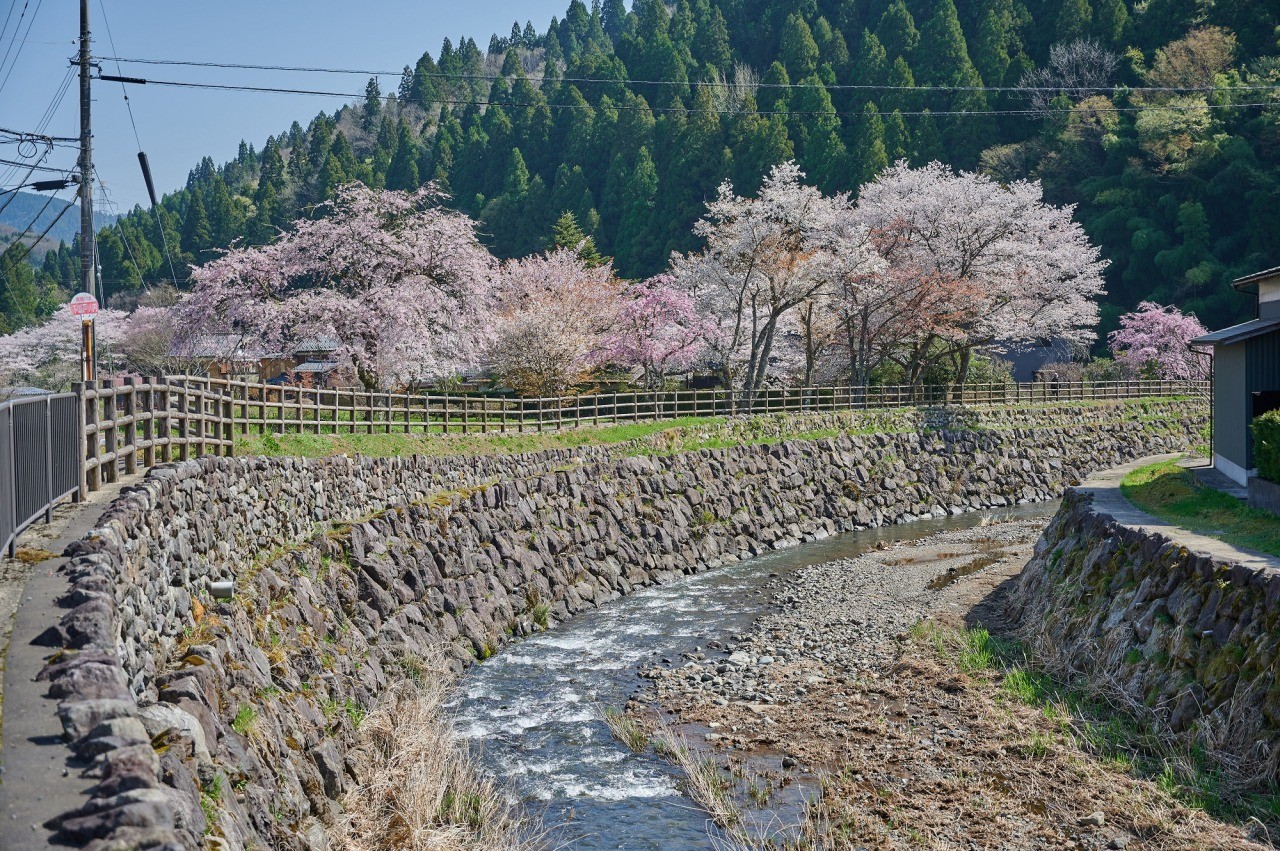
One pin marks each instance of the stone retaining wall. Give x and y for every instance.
(1186, 640)
(230, 720)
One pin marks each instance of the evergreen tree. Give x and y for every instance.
(943, 53)
(1075, 20)
(402, 173)
(897, 142)
(634, 241)
(612, 18)
(869, 156)
(19, 296)
(897, 30)
(798, 51)
(991, 47)
(425, 88)
(1110, 21)
(774, 95)
(372, 106)
(196, 233)
(926, 141)
(899, 80)
(567, 234)
(711, 44)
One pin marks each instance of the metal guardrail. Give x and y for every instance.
(40, 441)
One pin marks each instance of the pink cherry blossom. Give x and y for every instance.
(1152, 342)
(400, 282)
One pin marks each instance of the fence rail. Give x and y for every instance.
(39, 460)
(73, 443)
(267, 408)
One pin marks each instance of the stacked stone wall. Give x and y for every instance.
(232, 719)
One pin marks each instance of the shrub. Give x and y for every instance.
(1266, 445)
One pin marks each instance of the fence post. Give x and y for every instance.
(48, 459)
(10, 484)
(131, 427)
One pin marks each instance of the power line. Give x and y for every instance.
(45, 233)
(721, 84)
(21, 44)
(49, 112)
(164, 240)
(686, 110)
(16, 28)
(24, 135)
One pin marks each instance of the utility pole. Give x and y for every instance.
(87, 248)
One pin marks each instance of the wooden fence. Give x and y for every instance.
(142, 423)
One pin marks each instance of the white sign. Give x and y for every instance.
(83, 304)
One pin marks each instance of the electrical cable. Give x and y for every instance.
(45, 233)
(724, 84)
(686, 110)
(164, 240)
(21, 44)
(16, 28)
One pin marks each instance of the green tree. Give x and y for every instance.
(897, 142)
(869, 155)
(1075, 20)
(402, 173)
(897, 30)
(196, 233)
(634, 241)
(1111, 21)
(943, 55)
(567, 234)
(372, 106)
(798, 51)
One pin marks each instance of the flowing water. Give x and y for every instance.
(533, 711)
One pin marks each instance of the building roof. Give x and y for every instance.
(1256, 277)
(317, 366)
(1238, 333)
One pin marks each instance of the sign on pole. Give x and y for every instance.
(86, 307)
(83, 305)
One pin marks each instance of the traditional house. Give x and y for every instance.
(1246, 375)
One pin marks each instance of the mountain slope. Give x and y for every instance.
(631, 119)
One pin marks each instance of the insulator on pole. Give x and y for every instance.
(146, 175)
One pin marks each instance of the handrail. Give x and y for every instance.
(138, 423)
(39, 462)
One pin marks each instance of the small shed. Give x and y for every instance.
(1246, 375)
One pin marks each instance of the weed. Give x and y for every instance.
(243, 722)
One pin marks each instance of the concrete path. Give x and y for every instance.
(37, 779)
(1107, 498)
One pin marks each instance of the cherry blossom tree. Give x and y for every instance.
(1152, 342)
(765, 257)
(48, 355)
(400, 282)
(553, 324)
(1023, 268)
(658, 329)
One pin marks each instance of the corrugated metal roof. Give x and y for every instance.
(1238, 333)
(316, 366)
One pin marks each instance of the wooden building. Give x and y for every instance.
(1246, 375)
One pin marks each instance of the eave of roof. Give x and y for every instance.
(1256, 277)
(1238, 333)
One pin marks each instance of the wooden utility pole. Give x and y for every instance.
(87, 248)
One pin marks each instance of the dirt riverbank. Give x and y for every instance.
(874, 679)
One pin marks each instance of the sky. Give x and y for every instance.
(179, 126)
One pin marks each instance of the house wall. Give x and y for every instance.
(1269, 298)
(1262, 371)
(1231, 412)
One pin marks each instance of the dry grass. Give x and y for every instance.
(419, 788)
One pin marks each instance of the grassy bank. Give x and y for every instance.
(662, 437)
(1175, 495)
(510, 443)
(1088, 720)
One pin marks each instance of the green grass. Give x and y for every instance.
(1109, 732)
(243, 722)
(1174, 495)
(647, 438)
(510, 443)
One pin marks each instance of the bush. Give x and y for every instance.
(1266, 445)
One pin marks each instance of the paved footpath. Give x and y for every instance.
(1107, 498)
(38, 780)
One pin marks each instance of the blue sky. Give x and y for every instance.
(178, 126)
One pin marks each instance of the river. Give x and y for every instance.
(533, 710)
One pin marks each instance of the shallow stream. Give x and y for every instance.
(533, 711)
